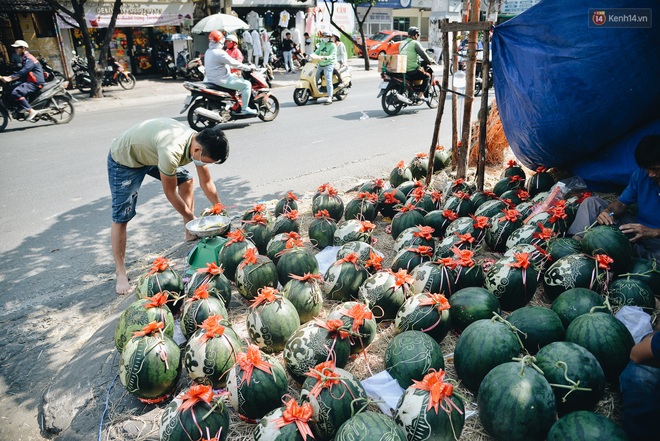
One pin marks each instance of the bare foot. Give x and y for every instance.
(190, 237)
(123, 287)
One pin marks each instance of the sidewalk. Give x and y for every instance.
(152, 90)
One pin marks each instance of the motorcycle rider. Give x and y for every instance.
(33, 78)
(231, 46)
(218, 64)
(412, 49)
(327, 52)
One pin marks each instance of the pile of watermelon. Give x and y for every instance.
(531, 310)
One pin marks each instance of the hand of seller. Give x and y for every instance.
(640, 231)
(605, 218)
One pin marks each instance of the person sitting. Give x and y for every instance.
(644, 189)
(412, 48)
(640, 389)
(231, 46)
(32, 75)
(327, 53)
(218, 64)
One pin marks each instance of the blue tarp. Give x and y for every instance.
(574, 94)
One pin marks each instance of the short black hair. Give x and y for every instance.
(647, 153)
(214, 143)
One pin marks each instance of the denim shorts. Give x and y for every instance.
(125, 183)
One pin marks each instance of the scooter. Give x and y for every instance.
(165, 65)
(210, 104)
(188, 68)
(308, 87)
(52, 103)
(114, 75)
(397, 91)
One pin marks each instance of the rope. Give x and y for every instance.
(107, 400)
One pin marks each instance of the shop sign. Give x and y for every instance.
(133, 15)
(271, 3)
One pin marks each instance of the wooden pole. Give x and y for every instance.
(461, 168)
(454, 106)
(483, 117)
(441, 103)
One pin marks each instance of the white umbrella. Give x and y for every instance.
(219, 22)
(176, 37)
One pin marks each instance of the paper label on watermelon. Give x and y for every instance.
(384, 389)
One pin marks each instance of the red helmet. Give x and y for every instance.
(216, 36)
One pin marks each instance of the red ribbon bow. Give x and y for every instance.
(235, 237)
(249, 257)
(353, 258)
(333, 326)
(540, 169)
(604, 261)
(251, 359)
(194, 395)
(159, 265)
(390, 197)
(421, 155)
(512, 163)
(465, 258)
(511, 215)
(439, 391)
(450, 215)
(464, 238)
(480, 222)
(402, 278)
(359, 313)
(292, 197)
(217, 209)
(325, 376)
(266, 295)
(366, 226)
(544, 233)
(424, 232)
(515, 178)
(211, 268)
(201, 293)
(292, 215)
(401, 164)
(298, 414)
(522, 261)
(308, 277)
(150, 329)
(212, 327)
(158, 299)
(322, 214)
(374, 261)
(439, 301)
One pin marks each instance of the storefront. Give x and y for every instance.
(141, 34)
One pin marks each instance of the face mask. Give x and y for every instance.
(198, 162)
(325, 40)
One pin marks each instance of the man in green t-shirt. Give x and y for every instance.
(412, 49)
(327, 52)
(159, 148)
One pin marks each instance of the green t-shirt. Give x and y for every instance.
(327, 50)
(408, 47)
(163, 142)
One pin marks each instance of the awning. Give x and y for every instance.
(25, 6)
(134, 15)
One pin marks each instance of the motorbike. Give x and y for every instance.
(113, 75)
(478, 78)
(397, 91)
(210, 104)
(308, 87)
(276, 60)
(188, 68)
(165, 65)
(52, 102)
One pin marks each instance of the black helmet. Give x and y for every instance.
(412, 31)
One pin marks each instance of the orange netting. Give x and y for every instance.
(496, 141)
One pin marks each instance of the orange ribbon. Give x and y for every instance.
(292, 215)
(322, 214)
(378, 183)
(401, 164)
(212, 327)
(266, 295)
(249, 257)
(515, 178)
(511, 215)
(235, 237)
(464, 238)
(448, 262)
(462, 195)
(583, 196)
(366, 226)
(332, 326)
(259, 208)
(293, 240)
(251, 359)
(390, 197)
(159, 265)
(450, 215)
(359, 313)
(439, 301)
(480, 222)
(522, 261)
(406, 208)
(150, 329)
(211, 268)
(308, 277)
(459, 181)
(540, 169)
(423, 250)
(325, 376)
(217, 209)
(159, 299)
(439, 391)
(512, 163)
(298, 414)
(353, 258)
(292, 197)
(201, 293)
(545, 233)
(196, 394)
(258, 218)
(374, 261)
(331, 191)
(557, 212)
(490, 195)
(424, 232)
(402, 277)
(604, 261)
(436, 196)
(465, 258)
(322, 187)
(421, 155)
(522, 194)
(418, 193)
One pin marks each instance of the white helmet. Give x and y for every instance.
(20, 43)
(232, 37)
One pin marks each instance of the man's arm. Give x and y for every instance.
(207, 185)
(640, 231)
(615, 209)
(642, 352)
(169, 188)
(27, 68)
(422, 53)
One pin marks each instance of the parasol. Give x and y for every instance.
(219, 22)
(176, 37)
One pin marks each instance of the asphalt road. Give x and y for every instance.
(56, 272)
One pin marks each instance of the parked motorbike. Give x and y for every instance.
(276, 60)
(165, 65)
(478, 78)
(114, 75)
(397, 91)
(308, 87)
(52, 103)
(210, 104)
(189, 69)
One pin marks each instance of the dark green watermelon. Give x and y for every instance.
(359, 318)
(257, 231)
(441, 158)
(286, 204)
(471, 304)
(584, 425)
(232, 252)
(322, 230)
(563, 246)
(344, 277)
(362, 207)
(370, 426)
(384, 292)
(254, 273)
(419, 166)
(409, 186)
(631, 292)
(286, 223)
(439, 220)
(139, 314)
(407, 217)
(328, 199)
(425, 312)
(413, 237)
(203, 420)
(540, 326)
(271, 320)
(389, 201)
(422, 201)
(409, 258)
(400, 174)
(574, 302)
(197, 309)
(540, 182)
(306, 294)
(459, 203)
(257, 210)
(513, 169)
(512, 280)
(375, 186)
(573, 271)
(296, 261)
(508, 183)
(161, 278)
(490, 208)
(410, 355)
(608, 239)
(280, 242)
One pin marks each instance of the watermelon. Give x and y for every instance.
(516, 393)
(422, 201)
(425, 312)
(344, 277)
(211, 352)
(413, 237)
(468, 273)
(370, 426)
(447, 246)
(306, 295)
(606, 338)
(198, 308)
(563, 359)
(149, 365)
(286, 223)
(411, 355)
(471, 304)
(289, 423)
(385, 292)
(232, 252)
(441, 158)
(256, 384)
(286, 204)
(460, 184)
(490, 208)
(645, 270)
(271, 320)
(363, 207)
(408, 187)
(540, 326)
(512, 280)
(525, 234)
(563, 246)
(139, 314)
(359, 318)
(161, 278)
(430, 410)
(314, 343)
(574, 302)
(389, 200)
(540, 182)
(608, 239)
(513, 169)
(296, 261)
(375, 186)
(419, 166)
(353, 230)
(540, 197)
(462, 225)
(502, 226)
(258, 232)
(584, 425)
(516, 196)
(409, 258)
(254, 273)
(631, 293)
(400, 174)
(335, 395)
(434, 277)
(460, 203)
(363, 249)
(407, 217)
(573, 271)
(216, 283)
(439, 221)
(483, 345)
(478, 198)
(327, 199)
(196, 413)
(508, 183)
(525, 209)
(280, 242)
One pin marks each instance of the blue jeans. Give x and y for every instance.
(640, 391)
(21, 91)
(327, 72)
(125, 183)
(287, 56)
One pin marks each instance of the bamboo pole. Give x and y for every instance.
(483, 117)
(454, 106)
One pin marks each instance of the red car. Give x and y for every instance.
(385, 42)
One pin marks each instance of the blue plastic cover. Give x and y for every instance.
(576, 95)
